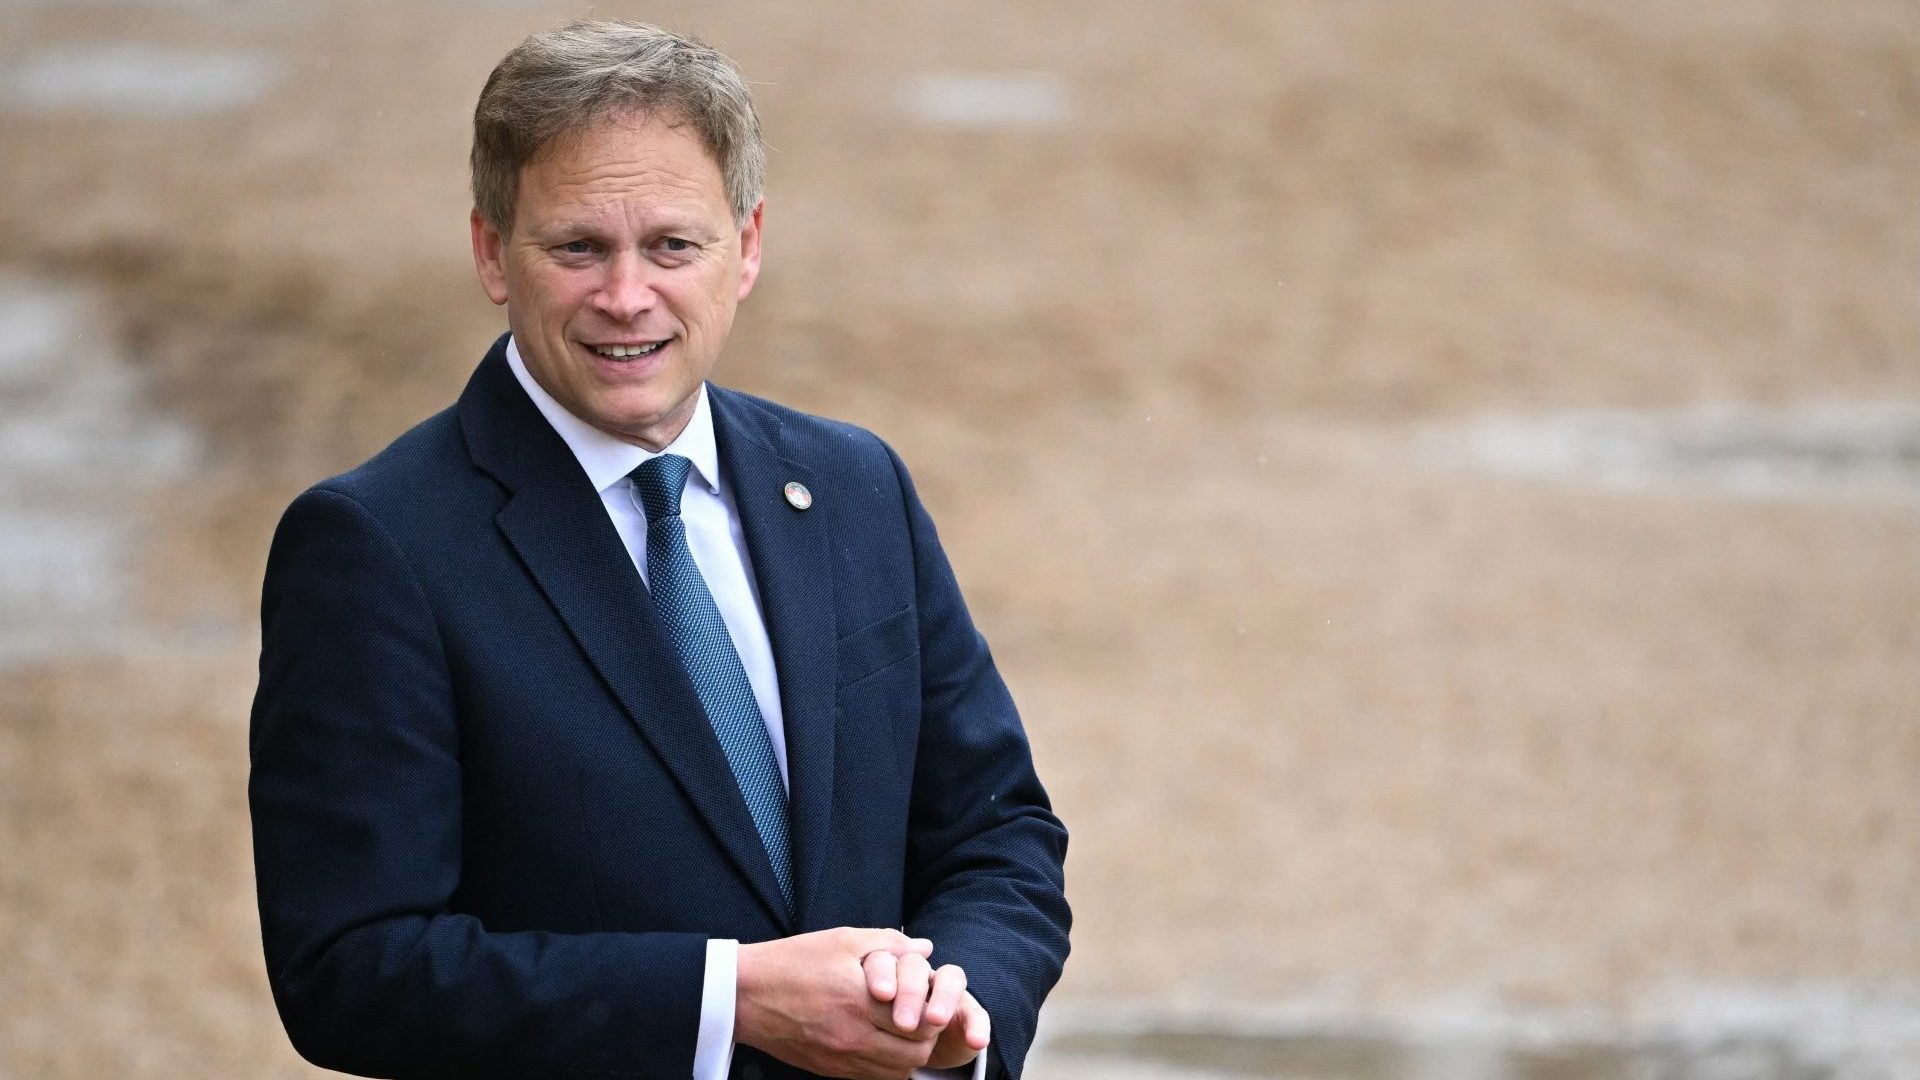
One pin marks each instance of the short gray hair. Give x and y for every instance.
(560, 82)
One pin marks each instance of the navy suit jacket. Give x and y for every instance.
(493, 829)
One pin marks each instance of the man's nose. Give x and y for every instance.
(626, 292)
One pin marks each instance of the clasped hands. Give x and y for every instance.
(854, 1003)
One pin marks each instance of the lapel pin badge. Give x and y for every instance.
(798, 496)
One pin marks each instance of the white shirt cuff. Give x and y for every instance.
(713, 1050)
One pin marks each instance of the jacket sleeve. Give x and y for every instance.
(986, 856)
(355, 794)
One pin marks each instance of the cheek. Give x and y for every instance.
(711, 303)
(549, 294)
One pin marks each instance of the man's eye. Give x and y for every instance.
(677, 245)
(577, 247)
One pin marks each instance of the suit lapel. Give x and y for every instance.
(793, 567)
(557, 526)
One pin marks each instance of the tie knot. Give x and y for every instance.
(659, 482)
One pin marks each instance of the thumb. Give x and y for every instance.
(865, 941)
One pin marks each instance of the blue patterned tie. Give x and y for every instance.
(700, 635)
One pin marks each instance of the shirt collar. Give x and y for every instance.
(607, 460)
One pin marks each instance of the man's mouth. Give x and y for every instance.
(629, 352)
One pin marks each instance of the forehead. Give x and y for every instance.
(637, 160)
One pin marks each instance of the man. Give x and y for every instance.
(609, 722)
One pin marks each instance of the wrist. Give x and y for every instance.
(749, 979)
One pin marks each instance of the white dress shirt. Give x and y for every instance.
(719, 547)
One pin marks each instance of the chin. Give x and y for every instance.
(639, 425)
(639, 415)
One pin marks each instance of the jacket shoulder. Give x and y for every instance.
(817, 441)
(418, 476)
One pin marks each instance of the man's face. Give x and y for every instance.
(622, 273)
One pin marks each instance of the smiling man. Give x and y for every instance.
(614, 723)
(621, 264)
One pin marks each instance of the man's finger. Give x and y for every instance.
(943, 998)
(974, 1024)
(881, 982)
(912, 975)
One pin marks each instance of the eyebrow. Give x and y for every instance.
(686, 228)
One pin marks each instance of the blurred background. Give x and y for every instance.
(1442, 479)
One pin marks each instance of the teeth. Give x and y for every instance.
(620, 352)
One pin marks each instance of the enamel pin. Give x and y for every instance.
(798, 496)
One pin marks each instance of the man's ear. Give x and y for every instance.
(489, 257)
(749, 250)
